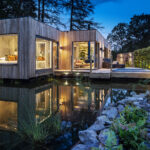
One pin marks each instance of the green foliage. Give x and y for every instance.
(16, 8)
(38, 132)
(111, 142)
(129, 37)
(134, 115)
(142, 58)
(130, 128)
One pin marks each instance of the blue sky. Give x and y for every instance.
(111, 12)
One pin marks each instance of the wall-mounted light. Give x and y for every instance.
(61, 48)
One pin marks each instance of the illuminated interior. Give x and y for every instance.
(55, 55)
(83, 54)
(8, 116)
(43, 105)
(8, 49)
(43, 54)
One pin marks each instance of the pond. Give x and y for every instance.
(65, 105)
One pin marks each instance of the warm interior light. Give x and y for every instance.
(66, 73)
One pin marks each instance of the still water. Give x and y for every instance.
(76, 103)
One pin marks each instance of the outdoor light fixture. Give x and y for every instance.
(66, 73)
(66, 83)
(77, 83)
(77, 73)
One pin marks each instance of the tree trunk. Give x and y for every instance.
(71, 14)
(43, 10)
(39, 10)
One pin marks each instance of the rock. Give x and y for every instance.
(107, 134)
(69, 124)
(100, 123)
(133, 93)
(148, 136)
(120, 108)
(80, 147)
(101, 147)
(88, 137)
(147, 93)
(111, 113)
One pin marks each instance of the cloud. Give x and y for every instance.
(103, 1)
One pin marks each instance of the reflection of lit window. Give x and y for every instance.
(43, 105)
(43, 54)
(8, 48)
(8, 115)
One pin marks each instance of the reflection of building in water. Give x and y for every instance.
(37, 104)
(8, 115)
(43, 105)
(73, 98)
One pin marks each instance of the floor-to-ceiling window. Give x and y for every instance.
(83, 54)
(55, 55)
(43, 54)
(8, 49)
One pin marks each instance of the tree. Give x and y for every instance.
(80, 10)
(139, 32)
(17, 8)
(49, 12)
(118, 37)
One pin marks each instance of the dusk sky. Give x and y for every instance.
(112, 12)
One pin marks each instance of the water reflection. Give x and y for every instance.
(39, 103)
(77, 104)
(8, 115)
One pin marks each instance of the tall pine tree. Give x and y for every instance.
(49, 11)
(80, 10)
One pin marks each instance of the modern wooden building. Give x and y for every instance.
(30, 49)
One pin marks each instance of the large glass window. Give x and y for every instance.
(83, 53)
(55, 55)
(8, 49)
(43, 54)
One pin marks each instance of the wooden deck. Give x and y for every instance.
(134, 73)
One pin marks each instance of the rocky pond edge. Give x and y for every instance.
(94, 136)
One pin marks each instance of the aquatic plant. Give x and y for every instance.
(38, 132)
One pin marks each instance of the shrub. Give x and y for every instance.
(130, 128)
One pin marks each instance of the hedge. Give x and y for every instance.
(142, 58)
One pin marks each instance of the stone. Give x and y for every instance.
(88, 137)
(100, 123)
(107, 134)
(147, 93)
(133, 93)
(111, 113)
(120, 108)
(80, 147)
(101, 147)
(148, 136)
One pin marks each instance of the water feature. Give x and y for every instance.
(75, 104)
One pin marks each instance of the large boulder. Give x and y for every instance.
(110, 113)
(88, 137)
(80, 147)
(100, 123)
(108, 137)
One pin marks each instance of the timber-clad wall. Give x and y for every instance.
(27, 30)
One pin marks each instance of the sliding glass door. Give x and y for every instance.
(83, 54)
